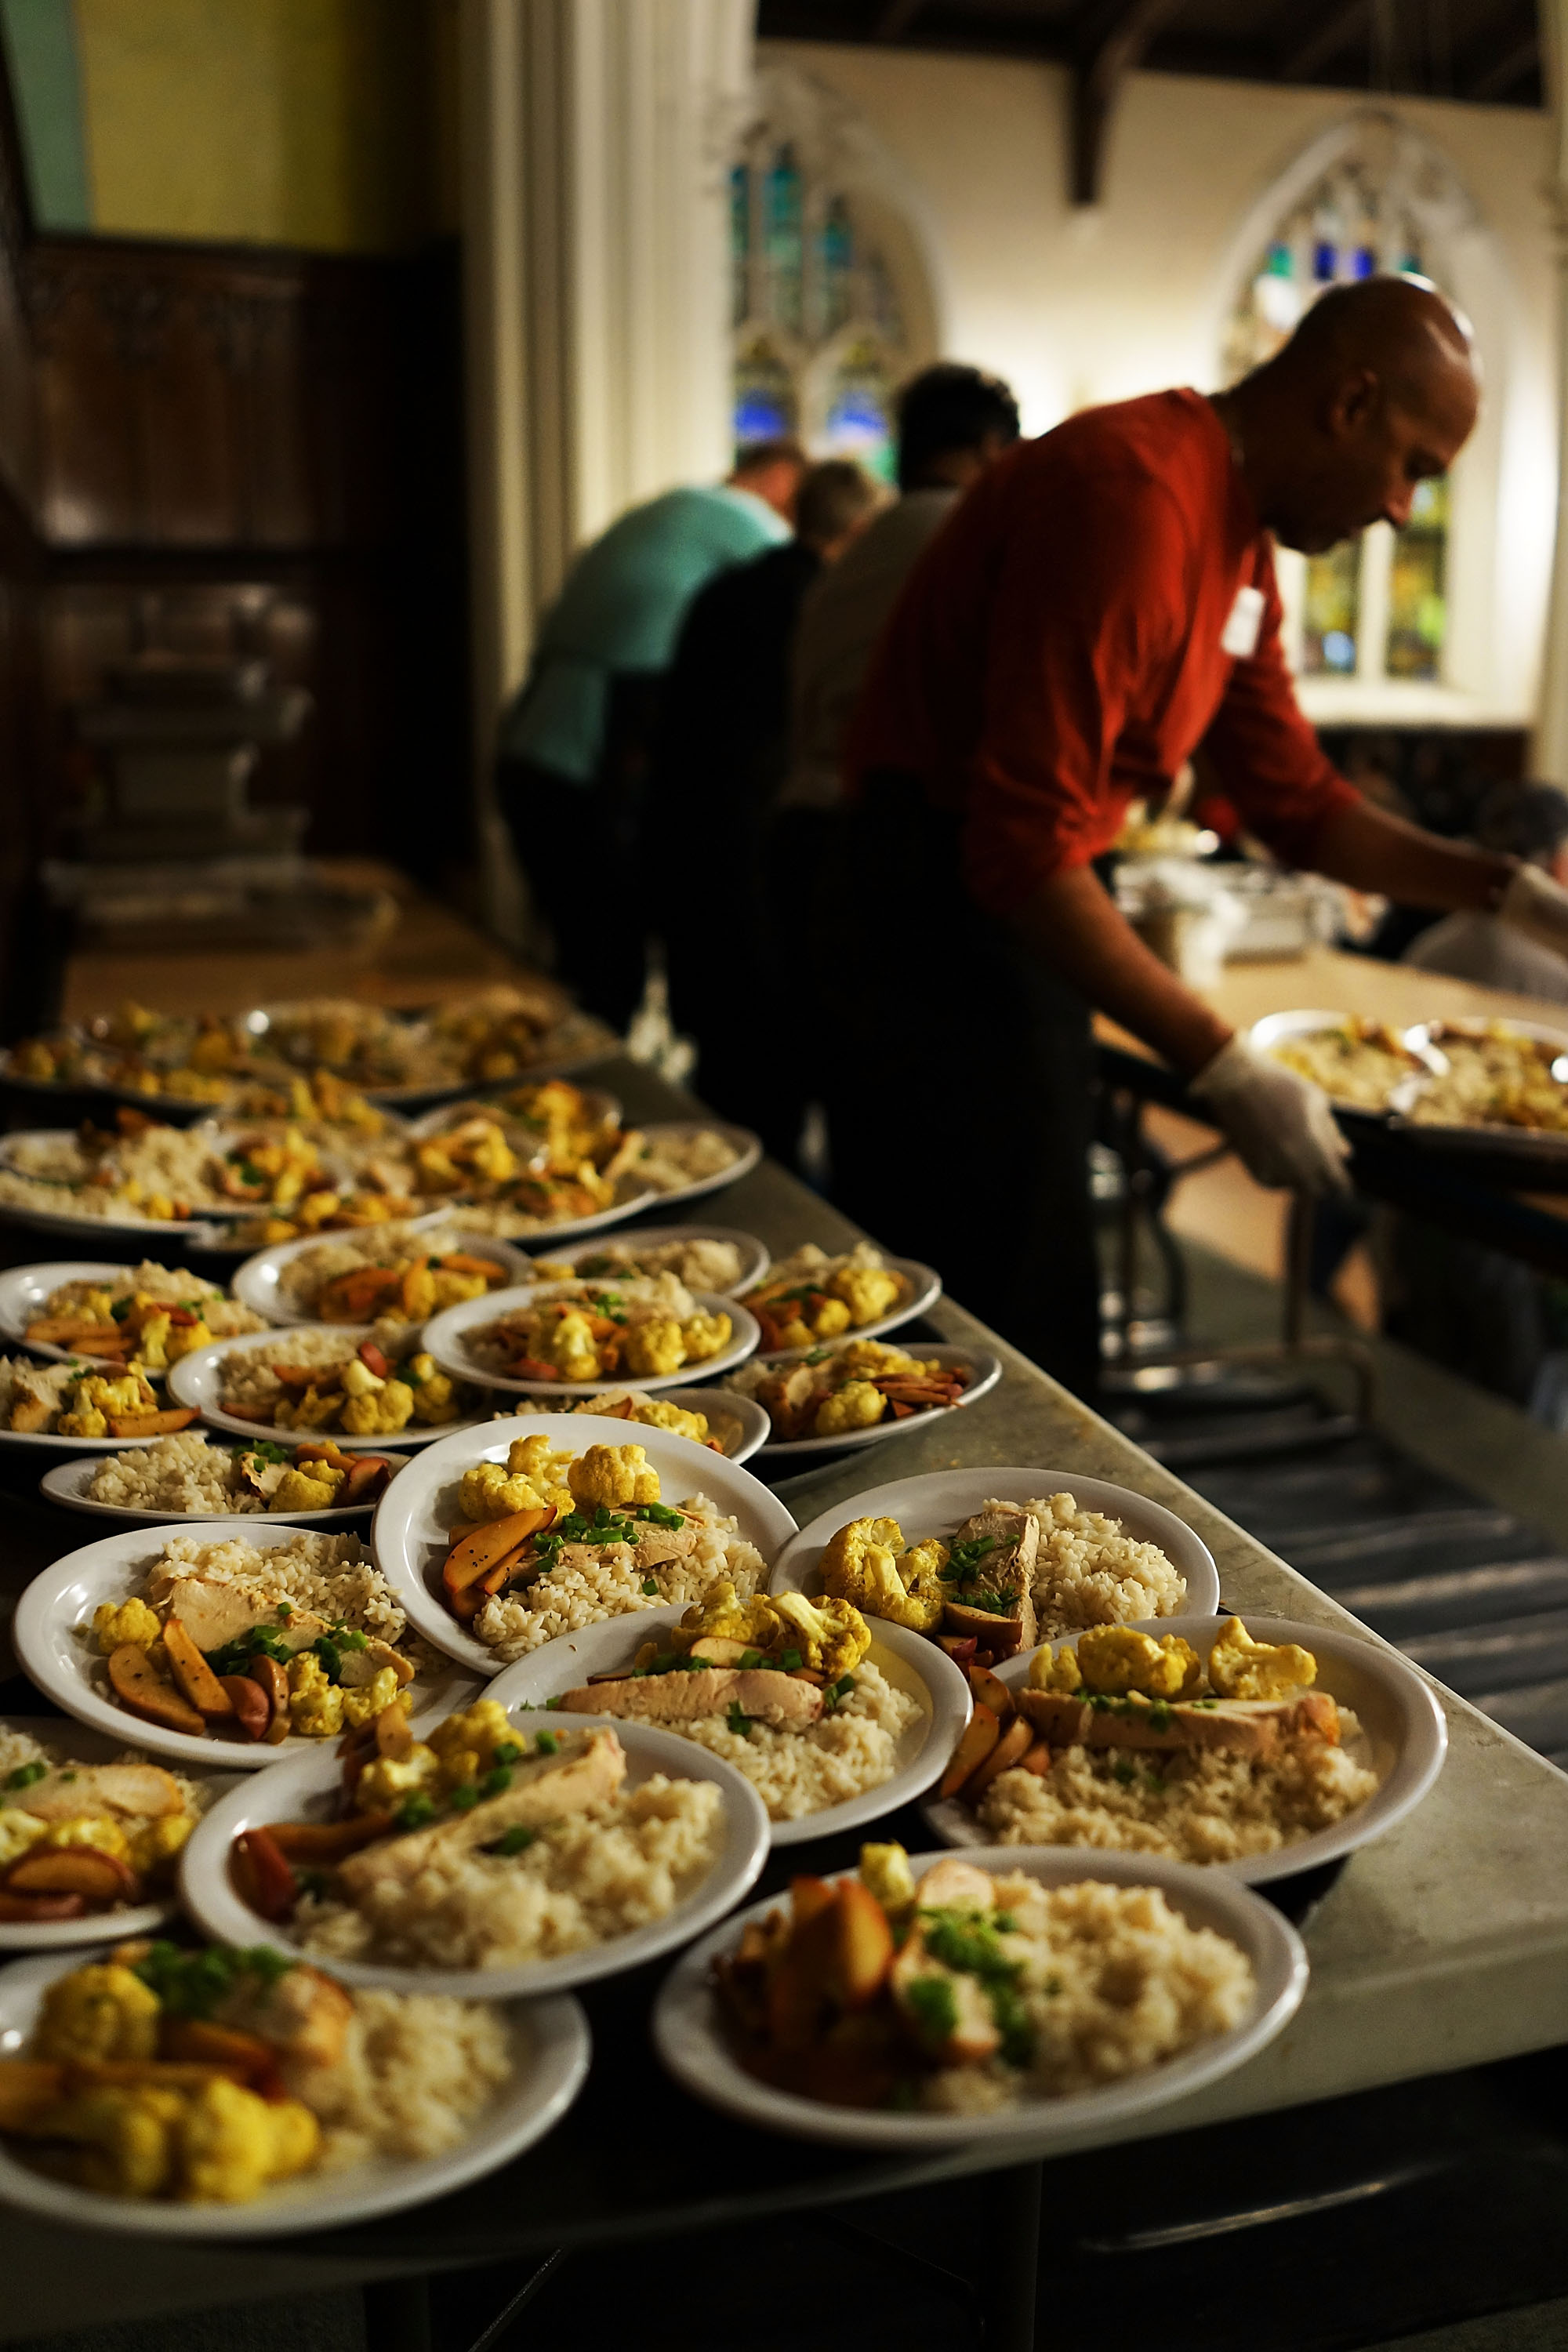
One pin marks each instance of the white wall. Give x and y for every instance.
(1078, 308)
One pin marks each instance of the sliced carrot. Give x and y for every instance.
(474, 1555)
(152, 1425)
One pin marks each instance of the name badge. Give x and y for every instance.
(1239, 636)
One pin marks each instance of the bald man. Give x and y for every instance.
(1099, 604)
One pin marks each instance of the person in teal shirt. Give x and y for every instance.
(575, 744)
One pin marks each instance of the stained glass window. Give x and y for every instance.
(820, 340)
(1368, 212)
(1418, 603)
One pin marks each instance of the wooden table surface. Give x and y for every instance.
(431, 955)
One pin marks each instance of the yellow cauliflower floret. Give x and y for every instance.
(155, 1844)
(1055, 1674)
(465, 1743)
(857, 1405)
(86, 1421)
(184, 1338)
(754, 1621)
(133, 1621)
(652, 1347)
(866, 1563)
(153, 1328)
(435, 1394)
(451, 1289)
(872, 1360)
(96, 1830)
(296, 1492)
(123, 2139)
(18, 1831)
(231, 2143)
(314, 1210)
(314, 1410)
(315, 1704)
(868, 1292)
(885, 1873)
(568, 1343)
(613, 1474)
(704, 1335)
(379, 1415)
(535, 1458)
(386, 1781)
(1240, 1667)
(1115, 1659)
(831, 1317)
(364, 1704)
(830, 1635)
(490, 1492)
(357, 1379)
(660, 1414)
(104, 2012)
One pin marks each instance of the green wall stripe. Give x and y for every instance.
(46, 84)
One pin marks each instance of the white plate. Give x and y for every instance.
(257, 1283)
(50, 1442)
(309, 1789)
(195, 1230)
(63, 1663)
(748, 1149)
(25, 1292)
(987, 1370)
(67, 1484)
(553, 2048)
(690, 2036)
(1275, 1028)
(913, 1665)
(925, 1289)
(409, 1533)
(941, 1500)
(602, 1108)
(753, 1252)
(1404, 1737)
(1531, 1143)
(81, 1746)
(445, 1338)
(753, 1420)
(198, 1379)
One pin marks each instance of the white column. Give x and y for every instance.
(597, 138)
(1550, 759)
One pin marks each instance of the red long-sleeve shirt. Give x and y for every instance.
(1057, 651)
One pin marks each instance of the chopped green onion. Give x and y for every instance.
(517, 1840)
(496, 1784)
(547, 1743)
(26, 1774)
(464, 1797)
(649, 1584)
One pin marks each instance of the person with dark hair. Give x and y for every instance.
(953, 422)
(575, 745)
(1102, 601)
(1529, 822)
(721, 756)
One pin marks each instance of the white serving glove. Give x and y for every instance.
(1538, 907)
(1280, 1125)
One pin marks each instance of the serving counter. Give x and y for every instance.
(1442, 1948)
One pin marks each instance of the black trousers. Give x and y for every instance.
(959, 1087)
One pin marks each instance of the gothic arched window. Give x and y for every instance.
(1376, 608)
(828, 307)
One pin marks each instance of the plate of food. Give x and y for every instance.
(854, 1392)
(1361, 1065)
(736, 1427)
(227, 1642)
(138, 1317)
(1499, 1086)
(809, 1297)
(173, 2092)
(1010, 1995)
(509, 1533)
(833, 1720)
(485, 1038)
(90, 1833)
(1003, 1558)
(567, 1339)
(495, 1854)
(1262, 1750)
(77, 1408)
(325, 1380)
(54, 1181)
(191, 1475)
(704, 1258)
(401, 1273)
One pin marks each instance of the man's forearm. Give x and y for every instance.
(1071, 925)
(1363, 846)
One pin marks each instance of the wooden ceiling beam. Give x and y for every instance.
(1326, 39)
(1113, 39)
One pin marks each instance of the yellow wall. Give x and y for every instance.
(308, 122)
